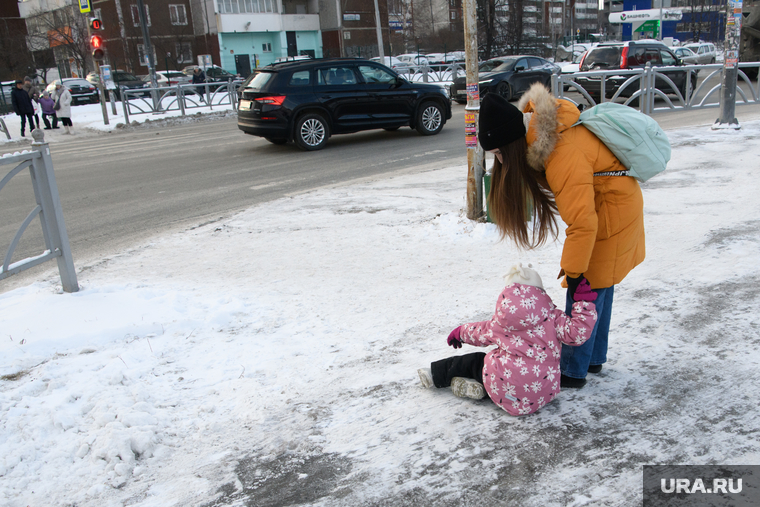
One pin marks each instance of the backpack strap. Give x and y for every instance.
(613, 173)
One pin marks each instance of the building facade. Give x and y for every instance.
(254, 33)
(349, 28)
(178, 34)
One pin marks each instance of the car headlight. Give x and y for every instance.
(486, 82)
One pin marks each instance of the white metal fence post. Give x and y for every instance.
(46, 190)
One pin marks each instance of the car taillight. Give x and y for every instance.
(172, 82)
(278, 100)
(583, 59)
(624, 58)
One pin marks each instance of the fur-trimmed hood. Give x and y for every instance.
(550, 118)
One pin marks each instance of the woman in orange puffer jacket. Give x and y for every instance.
(557, 168)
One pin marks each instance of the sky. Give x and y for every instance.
(270, 358)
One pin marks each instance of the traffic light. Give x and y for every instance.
(96, 44)
(96, 24)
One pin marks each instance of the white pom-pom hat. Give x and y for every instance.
(524, 275)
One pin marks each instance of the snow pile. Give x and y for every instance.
(89, 117)
(270, 359)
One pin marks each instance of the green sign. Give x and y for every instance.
(652, 25)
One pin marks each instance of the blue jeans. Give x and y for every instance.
(576, 360)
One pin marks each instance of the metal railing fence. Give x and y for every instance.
(48, 209)
(178, 98)
(644, 96)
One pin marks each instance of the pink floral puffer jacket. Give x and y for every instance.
(522, 373)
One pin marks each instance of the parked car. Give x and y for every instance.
(395, 64)
(570, 68)
(308, 101)
(688, 56)
(120, 78)
(509, 76)
(706, 52)
(414, 59)
(82, 91)
(633, 55)
(167, 78)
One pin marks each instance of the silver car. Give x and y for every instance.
(688, 56)
(706, 52)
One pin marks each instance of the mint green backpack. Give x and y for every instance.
(633, 137)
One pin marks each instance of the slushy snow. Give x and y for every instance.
(270, 358)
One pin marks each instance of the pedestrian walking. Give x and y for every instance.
(22, 106)
(545, 160)
(63, 104)
(34, 94)
(199, 77)
(48, 111)
(521, 374)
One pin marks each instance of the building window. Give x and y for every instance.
(246, 6)
(184, 52)
(96, 13)
(177, 14)
(136, 15)
(453, 15)
(266, 47)
(143, 57)
(395, 7)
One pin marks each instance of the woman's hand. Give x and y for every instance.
(583, 292)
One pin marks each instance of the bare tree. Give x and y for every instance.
(64, 30)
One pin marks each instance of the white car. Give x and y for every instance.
(168, 78)
(414, 59)
(394, 63)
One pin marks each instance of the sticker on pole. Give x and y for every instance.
(470, 130)
(473, 92)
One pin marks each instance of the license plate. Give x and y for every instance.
(461, 92)
(245, 104)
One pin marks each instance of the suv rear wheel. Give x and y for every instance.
(429, 119)
(311, 132)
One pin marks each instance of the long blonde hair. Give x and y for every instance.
(518, 192)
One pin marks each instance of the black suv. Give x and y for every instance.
(309, 100)
(633, 55)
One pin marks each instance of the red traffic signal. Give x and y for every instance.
(96, 24)
(96, 44)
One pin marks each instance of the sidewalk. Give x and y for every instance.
(271, 359)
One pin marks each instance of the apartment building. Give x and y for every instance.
(177, 28)
(254, 33)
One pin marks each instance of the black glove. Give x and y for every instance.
(572, 285)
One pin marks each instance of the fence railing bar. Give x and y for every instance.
(29, 262)
(14, 172)
(12, 248)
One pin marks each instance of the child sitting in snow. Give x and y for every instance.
(522, 373)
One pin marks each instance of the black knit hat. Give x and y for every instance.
(500, 122)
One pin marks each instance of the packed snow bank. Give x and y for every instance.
(270, 359)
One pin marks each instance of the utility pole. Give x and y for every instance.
(474, 154)
(730, 68)
(379, 34)
(148, 52)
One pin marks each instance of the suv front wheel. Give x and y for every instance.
(429, 119)
(311, 132)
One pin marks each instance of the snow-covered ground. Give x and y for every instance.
(88, 118)
(270, 359)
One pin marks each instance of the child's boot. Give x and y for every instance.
(426, 377)
(467, 388)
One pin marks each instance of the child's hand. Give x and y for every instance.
(584, 292)
(454, 338)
